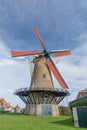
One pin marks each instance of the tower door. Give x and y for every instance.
(46, 110)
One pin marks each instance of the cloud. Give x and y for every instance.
(59, 21)
(14, 74)
(74, 69)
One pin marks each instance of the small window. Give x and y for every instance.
(81, 94)
(44, 75)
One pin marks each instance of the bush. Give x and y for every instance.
(64, 111)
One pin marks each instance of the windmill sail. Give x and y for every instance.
(57, 74)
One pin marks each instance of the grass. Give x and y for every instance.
(21, 122)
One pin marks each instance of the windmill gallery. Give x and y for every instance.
(42, 98)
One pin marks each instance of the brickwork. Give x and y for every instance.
(41, 77)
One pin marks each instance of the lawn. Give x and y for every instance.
(21, 122)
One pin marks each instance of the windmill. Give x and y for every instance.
(41, 98)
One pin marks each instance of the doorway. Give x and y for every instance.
(46, 110)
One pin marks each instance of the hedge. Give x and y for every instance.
(79, 102)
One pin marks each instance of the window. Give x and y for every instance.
(44, 75)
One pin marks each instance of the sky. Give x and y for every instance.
(62, 25)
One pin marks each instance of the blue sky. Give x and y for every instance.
(62, 25)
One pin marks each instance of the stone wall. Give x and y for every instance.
(36, 109)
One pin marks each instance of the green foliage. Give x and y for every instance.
(8, 113)
(21, 122)
(82, 102)
(64, 111)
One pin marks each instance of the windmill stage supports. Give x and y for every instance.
(41, 102)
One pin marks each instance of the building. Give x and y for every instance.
(79, 111)
(82, 93)
(4, 105)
